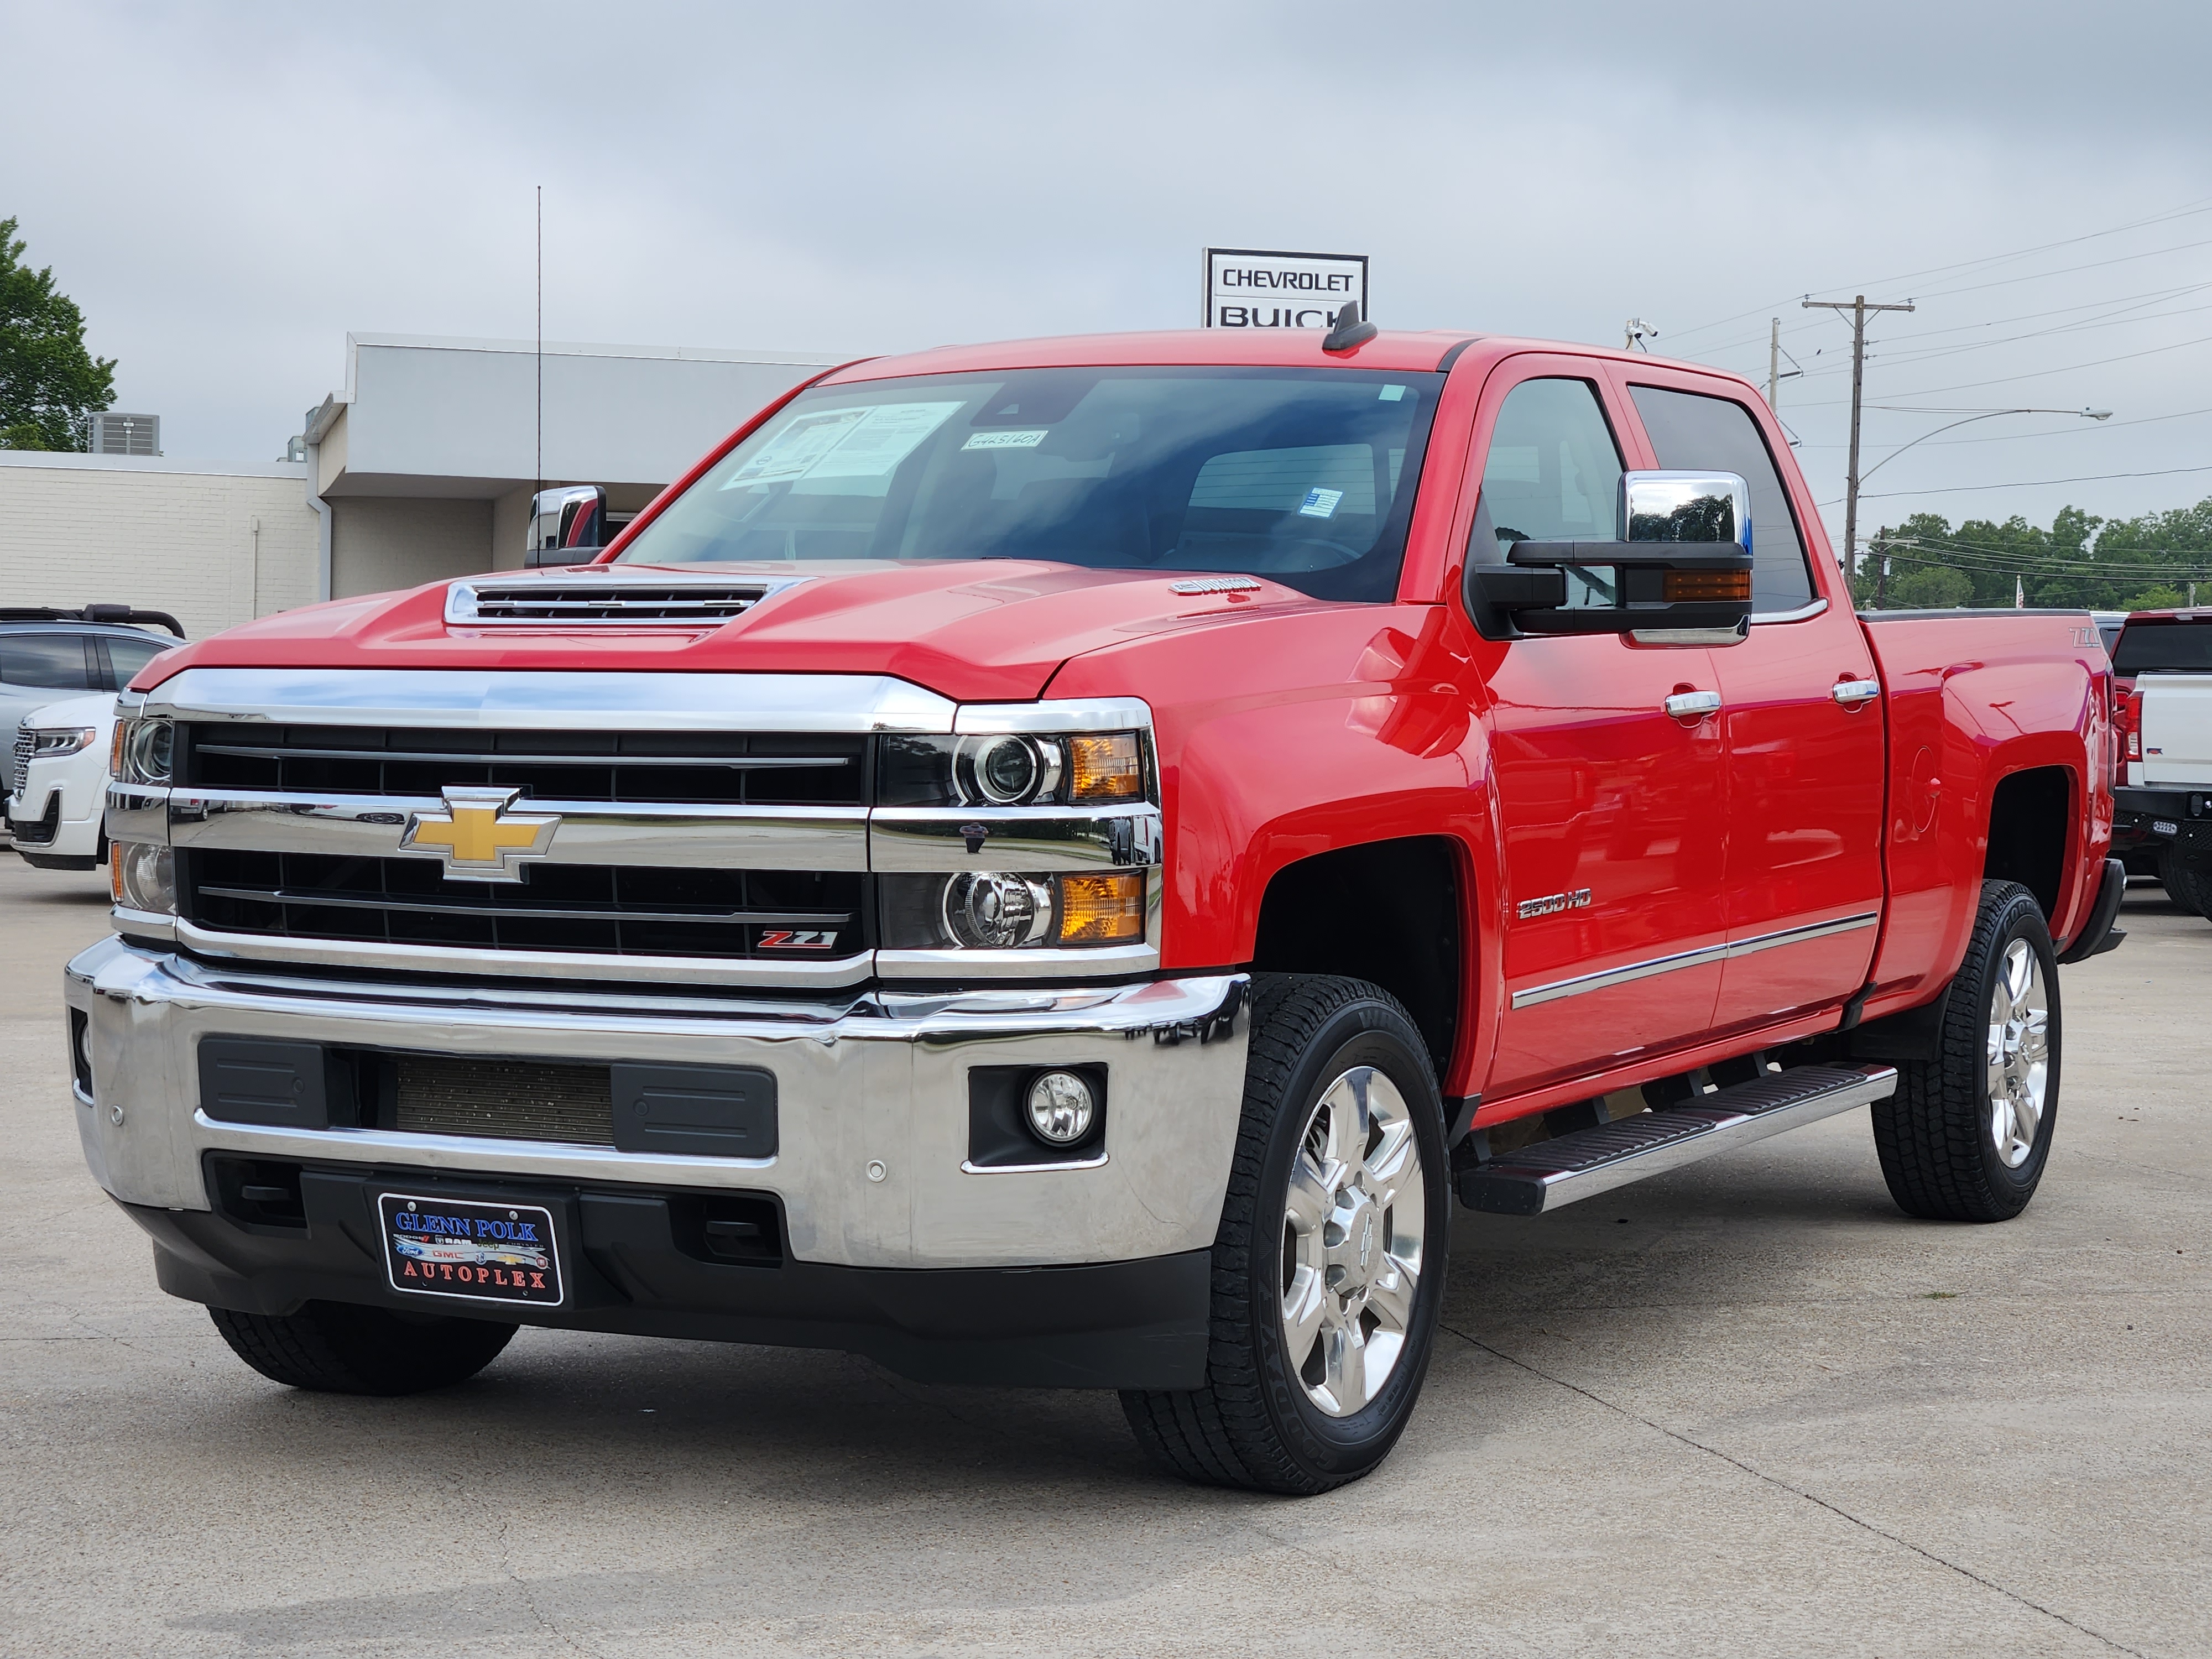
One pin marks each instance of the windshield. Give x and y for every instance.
(1303, 475)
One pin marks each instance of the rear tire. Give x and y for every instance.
(1967, 1134)
(1328, 1266)
(2188, 885)
(335, 1347)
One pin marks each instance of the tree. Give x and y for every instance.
(2154, 598)
(50, 385)
(1932, 589)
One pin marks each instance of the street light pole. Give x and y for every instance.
(1881, 580)
(1858, 308)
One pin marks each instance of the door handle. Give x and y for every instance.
(1855, 695)
(1683, 705)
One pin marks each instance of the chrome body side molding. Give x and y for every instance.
(1583, 984)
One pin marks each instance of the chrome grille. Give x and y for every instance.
(606, 909)
(27, 743)
(696, 768)
(599, 601)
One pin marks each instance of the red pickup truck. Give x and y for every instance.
(1053, 863)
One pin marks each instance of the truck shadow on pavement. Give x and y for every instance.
(632, 1484)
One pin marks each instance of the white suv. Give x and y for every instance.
(58, 784)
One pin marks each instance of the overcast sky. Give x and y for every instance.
(226, 190)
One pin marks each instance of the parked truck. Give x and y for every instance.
(1053, 863)
(2162, 782)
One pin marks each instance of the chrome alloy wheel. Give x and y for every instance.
(1352, 1228)
(2019, 1053)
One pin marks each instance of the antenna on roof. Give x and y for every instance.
(1349, 332)
(538, 487)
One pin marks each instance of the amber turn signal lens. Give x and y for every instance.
(115, 869)
(1711, 586)
(1097, 909)
(1105, 769)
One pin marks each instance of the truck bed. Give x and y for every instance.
(1974, 696)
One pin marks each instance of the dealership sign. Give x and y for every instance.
(1252, 288)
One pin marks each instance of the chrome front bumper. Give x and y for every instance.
(873, 1099)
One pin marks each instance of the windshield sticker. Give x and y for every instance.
(1321, 503)
(877, 446)
(1005, 440)
(1390, 394)
(795, 449)
(864, 441)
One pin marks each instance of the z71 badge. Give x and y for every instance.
(783, 939)
(1552, 903)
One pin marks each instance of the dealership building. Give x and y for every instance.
(421, 468)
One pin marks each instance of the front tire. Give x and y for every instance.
(1967, 1134)
(336, 1347)
(1328, 1266)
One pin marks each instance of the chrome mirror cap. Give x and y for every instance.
(1685, 507)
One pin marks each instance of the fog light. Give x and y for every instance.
(996, 912)
(143, 876)
(1061, 1107)
(1098, 909)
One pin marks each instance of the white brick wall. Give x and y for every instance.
(78, 530)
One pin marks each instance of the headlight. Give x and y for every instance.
(142, 752)
(143, 876)
(995, 912)
(1012, 769)
(1004, 910)
(63, 740)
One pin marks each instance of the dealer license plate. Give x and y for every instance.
(474, 1251)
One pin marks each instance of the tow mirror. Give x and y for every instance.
(1685, 565)
(567, 526)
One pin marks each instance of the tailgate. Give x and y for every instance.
(2177, 729)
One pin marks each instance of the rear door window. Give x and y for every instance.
(1690, 432)
(53, 662)
(2173, 647)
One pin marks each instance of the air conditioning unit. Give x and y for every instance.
(126, 434)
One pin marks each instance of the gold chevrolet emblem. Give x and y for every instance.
(477, 837)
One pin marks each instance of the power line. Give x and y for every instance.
(2110, 319)
(2029, 484)
(2068, 271)
(2187, 210)
(2034, 374)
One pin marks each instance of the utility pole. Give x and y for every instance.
(1858, 308)
(1773, 361)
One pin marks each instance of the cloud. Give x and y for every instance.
(252, 183)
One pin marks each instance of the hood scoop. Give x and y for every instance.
(649, 599)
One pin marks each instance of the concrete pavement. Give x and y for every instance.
(1748, 1408)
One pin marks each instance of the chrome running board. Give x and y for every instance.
(1550, 1173)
